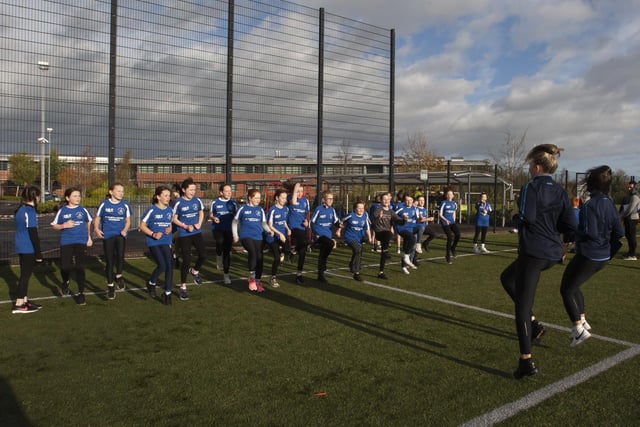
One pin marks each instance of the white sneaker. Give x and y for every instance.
(630, 258)
(227, 279)
(398, 250)
(476, 250)
(274, 282)
(418, 248)
(484, 250)
(407, 261)
(405, 270)
(579, 335)
(585, 324)
(219, 265)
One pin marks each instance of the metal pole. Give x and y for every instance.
(49, 130)
(43, 66)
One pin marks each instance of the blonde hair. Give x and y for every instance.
(545, 155)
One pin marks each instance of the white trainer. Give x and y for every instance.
(579, 335)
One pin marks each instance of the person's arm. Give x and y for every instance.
(127, 226)
(35, 241)
(234, 229)
(97, 228)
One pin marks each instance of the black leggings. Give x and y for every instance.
(185, 243)
(630, 226)
(520, 280)
(453, 236)
(356, 256)
(224, 242)
(27, 264)
(326, 246)
(68, 253)
(164, 264)
(579, 270)
(481, 230)
(255, 258)
(275, 251)
(301, 239)
(384, 237)
(113, 255)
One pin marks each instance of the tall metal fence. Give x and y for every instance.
(218, 81)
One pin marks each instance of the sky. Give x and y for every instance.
(468, 72)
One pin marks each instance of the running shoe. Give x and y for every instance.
(259, 286)
(166, 298)
(226, 279)
(405, 270)
(80, 299)
(299, 279)
(579, 334)
(23, 309)
(111, 292)
(381, 275)
(151, 289)
(64, 288)
(196, 277)
(274, 282)
(252, 284)
(120, 282)
(184, 296)
(526, 368)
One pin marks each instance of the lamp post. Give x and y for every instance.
(49, 130)
(43, 66)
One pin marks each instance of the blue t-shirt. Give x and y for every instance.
(224, 210)
(158, 220)
(113, 217)
(25, 218)
(188, 212)
(483, 214)
(448, 210)
(277, 217)
(298, 213)
(355, 227)
(322, 221)
(412, 219)
(77, 234)
(250, 219)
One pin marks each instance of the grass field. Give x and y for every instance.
(437, 347)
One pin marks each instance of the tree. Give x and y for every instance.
(57, 165)
(511, 157)
(417, 155)
(22, 169)
(82, 174)
(123, 170)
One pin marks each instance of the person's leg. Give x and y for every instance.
(257, 248)
(156, 254)
(185, 252)
(579, 270)
(449, 234)
(356, 256)
(274, 247)
(109, 248)
(120, 246)
(66, 263)
(385, 239)
(456, 237)
(80, 254)
(227, 244)
(527, 278)
(27, 265)
(198, 243)
(633, 244)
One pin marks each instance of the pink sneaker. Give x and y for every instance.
(259, 286)
(252, 284)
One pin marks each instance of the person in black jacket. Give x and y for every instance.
(597, 240)
(544, 213)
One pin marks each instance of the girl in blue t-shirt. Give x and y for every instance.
(112, 222)
(447, 215)
(222, 211)
(299, 225)
(27, 247)
(74, 221)
(356, 227)
(323, 221)
(156, 224)
(277, 222)
(483, 214)
(247, 227)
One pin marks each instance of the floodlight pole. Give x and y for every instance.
(43, 66)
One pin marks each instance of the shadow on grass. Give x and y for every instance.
(380, 331)
(11, 413)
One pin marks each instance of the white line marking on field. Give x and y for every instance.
(532, 399)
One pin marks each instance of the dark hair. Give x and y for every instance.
(158, 192)
(224, 184)
(111, 187)
(252, 192)
(29, 195)
(358, 202)
(187, 182)
(68, 192)
(278, 192)
(599, 179)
